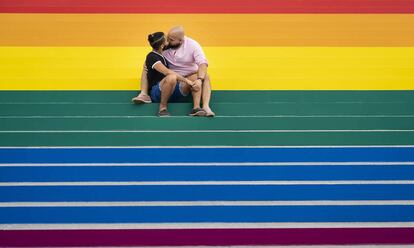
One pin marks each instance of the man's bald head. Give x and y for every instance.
(177, 31)
(175, 36)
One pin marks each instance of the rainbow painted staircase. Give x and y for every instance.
(312, 145)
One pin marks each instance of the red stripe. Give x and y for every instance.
(193, 237)
(211, 6)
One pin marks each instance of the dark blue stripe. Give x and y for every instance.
(143, 155)
(396, 213)
(206, 193)
(204, 173)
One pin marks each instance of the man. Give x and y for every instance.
(186, 57)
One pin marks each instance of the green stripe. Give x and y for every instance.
(218, 96)
(225, 103)
(190, 123)
(225, 109)
(204, 139)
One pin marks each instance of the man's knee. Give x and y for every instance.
(172, 79)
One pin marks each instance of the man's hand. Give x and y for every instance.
(197, 85)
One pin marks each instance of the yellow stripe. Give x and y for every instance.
(231, 68)
(209, 30)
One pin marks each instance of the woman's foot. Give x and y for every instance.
(141, 99)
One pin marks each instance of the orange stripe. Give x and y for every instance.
(209, 30)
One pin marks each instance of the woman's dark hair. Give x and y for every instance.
(156, 40)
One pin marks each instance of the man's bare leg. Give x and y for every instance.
(196, 94)
(206, 96)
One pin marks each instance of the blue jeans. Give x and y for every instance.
(177, 95)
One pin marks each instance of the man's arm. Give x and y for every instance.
(202, 71)
(201, 61)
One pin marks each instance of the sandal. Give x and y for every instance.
(164, 113)
(198, 112)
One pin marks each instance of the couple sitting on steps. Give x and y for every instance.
(175, 68)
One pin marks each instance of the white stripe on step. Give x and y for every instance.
(207, 147)
(212, 131)
(206, 203)
(217, 116)
(28, 226)
(209, 164)
(193, 183)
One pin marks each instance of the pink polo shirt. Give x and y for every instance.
(186, 59)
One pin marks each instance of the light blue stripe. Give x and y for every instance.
(206, 193)
(204, 173)
(159, 155)
(202, 214)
